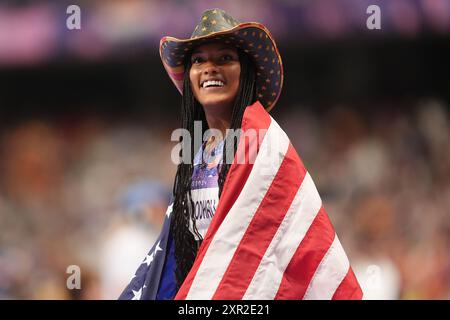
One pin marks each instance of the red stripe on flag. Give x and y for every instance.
(349, 288)
(255, 117)
(307, 258)
(262, 228)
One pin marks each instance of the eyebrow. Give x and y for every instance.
(220, 49)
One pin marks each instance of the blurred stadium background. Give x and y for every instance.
(86, 117)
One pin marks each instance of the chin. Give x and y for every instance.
(215, 102)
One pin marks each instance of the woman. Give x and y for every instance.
(219, 84)
(230, 75)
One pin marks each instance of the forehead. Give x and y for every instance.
(213, 47)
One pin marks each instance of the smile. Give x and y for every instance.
(212, 83)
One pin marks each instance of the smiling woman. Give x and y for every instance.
(234, 230)
(219, 83)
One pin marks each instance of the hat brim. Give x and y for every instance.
(251, 37)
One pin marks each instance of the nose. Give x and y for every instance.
(210, 68)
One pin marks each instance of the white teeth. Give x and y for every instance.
(212, 83)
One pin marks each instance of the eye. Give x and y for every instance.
(227, 57)
(196, 60)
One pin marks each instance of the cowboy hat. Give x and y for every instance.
(251, 37)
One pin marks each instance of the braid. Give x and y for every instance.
(183, 208)
(245, 97)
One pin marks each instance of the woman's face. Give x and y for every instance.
(214, 76)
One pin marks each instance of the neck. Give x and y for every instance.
(220, 121)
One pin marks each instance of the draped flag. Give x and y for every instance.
(270, 237)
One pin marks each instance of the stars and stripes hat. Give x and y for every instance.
(251, 37)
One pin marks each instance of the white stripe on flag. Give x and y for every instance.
(330, 273)
(288, 237)
(233, 227)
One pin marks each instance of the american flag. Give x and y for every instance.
(270, 237)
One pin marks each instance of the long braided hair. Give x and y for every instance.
(183, 208)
